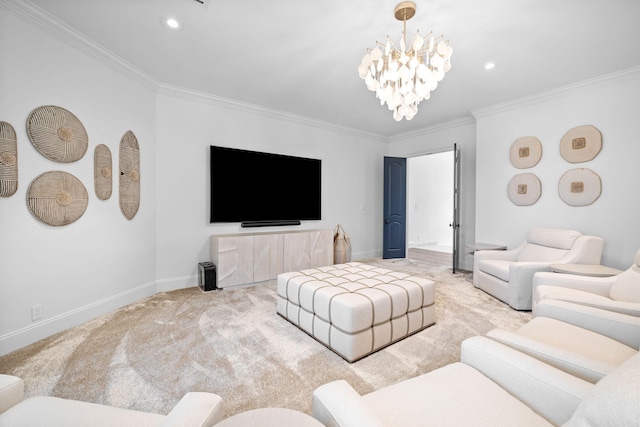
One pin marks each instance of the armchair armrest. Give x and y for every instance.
(595, 285)
(550, 392)
(586, 250)
(620, 327)
(337, 404)
(509, 255)
(521, 276)
(576, 364)
(195, 409)
(622, 307)
(11, 391)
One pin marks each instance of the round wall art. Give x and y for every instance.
(102, 172)
(579, 187)
(8, 160)
(57, 198)
(581, 144)
(57, 134)
(524, 189)
(525, 152)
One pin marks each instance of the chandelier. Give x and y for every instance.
(403, 77)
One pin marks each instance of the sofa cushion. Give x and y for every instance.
(579, 351)
(553, 238)
(496, 267)
(614, 399)
(627, 285)
(453, 395)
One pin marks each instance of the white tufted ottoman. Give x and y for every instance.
(356, 309)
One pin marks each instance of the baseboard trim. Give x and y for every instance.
(50, 326)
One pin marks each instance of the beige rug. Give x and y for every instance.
(147, 355)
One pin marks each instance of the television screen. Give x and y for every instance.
(250, 186)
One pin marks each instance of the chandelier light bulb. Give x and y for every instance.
(403, 77)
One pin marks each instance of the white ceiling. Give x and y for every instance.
(301, 56)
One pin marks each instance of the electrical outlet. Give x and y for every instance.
(36, 312)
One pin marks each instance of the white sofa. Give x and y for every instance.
(493, 385)
(508, 275)
(193, 410)
(619, 293)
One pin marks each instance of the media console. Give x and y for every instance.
(245, 258)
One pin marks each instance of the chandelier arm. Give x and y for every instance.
(393, 44)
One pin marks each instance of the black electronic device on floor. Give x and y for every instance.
(207, 276)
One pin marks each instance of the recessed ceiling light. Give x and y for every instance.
(172, 23)
(489, 65)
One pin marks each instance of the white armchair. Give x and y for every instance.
(508, 275)
(493, 385)
(570, 348)
(619, 293)
(195, 409)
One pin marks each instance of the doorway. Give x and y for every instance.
(430, 206)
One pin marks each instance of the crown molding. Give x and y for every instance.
(227, 103)
(440, 127)
(40, 19)
(607, 79)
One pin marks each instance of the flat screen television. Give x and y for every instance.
(261, 189)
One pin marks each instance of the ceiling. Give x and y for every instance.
(300, 57)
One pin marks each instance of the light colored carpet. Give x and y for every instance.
(147, 355)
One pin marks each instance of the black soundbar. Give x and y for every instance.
(248, 224)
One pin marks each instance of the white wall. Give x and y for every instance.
(102, 260)
(430, 199)
(187, 126)
(442, 138)
(610, 104)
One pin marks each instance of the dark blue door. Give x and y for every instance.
(395, 207)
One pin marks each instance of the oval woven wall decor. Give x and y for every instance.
(581, 144)
(579, 187)
(57, 134)
(57, 198)
(8, 160)
(129, 175)
(524, 189)
(102, 172)
(525, 152)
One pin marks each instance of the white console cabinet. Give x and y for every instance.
(246, 258)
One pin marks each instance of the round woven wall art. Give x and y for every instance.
(524, 189)
(129, 175)
(57, 198)
(102, 172)
(8, 160)
(525, 152)
(57, 134)
(579, 187)
(581, 144)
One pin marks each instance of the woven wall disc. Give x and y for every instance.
(579, 187)
(581, 144)
(129, 175)
(57, 198)
(525, 152)
(57, 134)
(524, 189)
(8, 160)
(102, 172)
